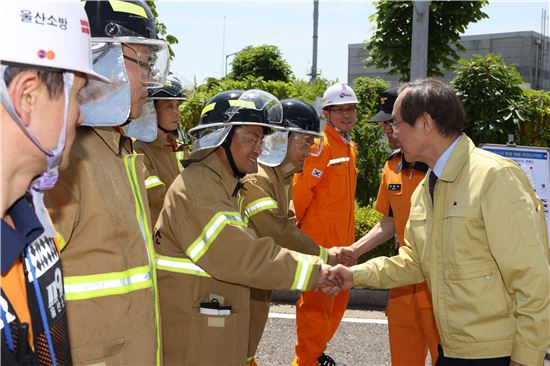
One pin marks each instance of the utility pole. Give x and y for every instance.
(314, 73)
(419, 44)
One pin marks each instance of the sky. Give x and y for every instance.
(209, 31)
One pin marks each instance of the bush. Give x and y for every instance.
(535, 130)
(366, 218)
(492, 97)
(372, 149)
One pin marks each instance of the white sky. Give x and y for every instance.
(199, 26)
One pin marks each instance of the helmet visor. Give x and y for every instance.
(255, 107)
(311, 142)
(151, 57)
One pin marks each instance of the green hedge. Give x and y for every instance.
(366, 218)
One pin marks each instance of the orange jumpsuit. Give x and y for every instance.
(411, 322)
(324, 196)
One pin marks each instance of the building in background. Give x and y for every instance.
(528, 51)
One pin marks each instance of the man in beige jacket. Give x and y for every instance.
(476, 234)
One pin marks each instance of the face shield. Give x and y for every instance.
(308, 141)
(110, 104)
(151, 55)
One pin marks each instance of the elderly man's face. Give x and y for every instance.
(409, 137)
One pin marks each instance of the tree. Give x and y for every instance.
(492, 97)
(372, 150)
(261, 61)
(390, 45)
(161, 29)
(535, 129)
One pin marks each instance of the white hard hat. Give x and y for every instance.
(339, 93)
(47, 34)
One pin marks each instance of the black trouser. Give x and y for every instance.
(447, 361)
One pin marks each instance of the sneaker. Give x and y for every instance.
(325, 360)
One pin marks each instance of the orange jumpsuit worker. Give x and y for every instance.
(324, 195)
(162, 156)
(411, 324)
(268, 193)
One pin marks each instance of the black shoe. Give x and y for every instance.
(325, 360)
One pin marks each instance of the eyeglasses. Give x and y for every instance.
(253, 140)
(343, 110)
(395, 125)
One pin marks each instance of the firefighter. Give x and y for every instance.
(100, 206)
(324, 196)
(163, 156)
(268, 195)
(43, 68)
(208, 259)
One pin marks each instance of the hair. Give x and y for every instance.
(51, 78)
(435, 98)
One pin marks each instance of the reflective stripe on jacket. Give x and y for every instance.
(163, 166)
(100, 208)
(324, 193)
(200, 221)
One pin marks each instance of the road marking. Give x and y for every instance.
(347, 320)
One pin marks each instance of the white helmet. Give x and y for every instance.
(339, 93)
(47, 34)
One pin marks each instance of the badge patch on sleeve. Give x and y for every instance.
(394, 187)
(316, 173)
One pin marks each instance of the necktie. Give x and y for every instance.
(431, 183)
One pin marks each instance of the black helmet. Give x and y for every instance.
(172, 89)
(239, 107)
(217, 107)
(226, 110)
(113, 19)
(300, 116)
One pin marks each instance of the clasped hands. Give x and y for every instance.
(331, 279)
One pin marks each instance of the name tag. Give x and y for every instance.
(394, 187)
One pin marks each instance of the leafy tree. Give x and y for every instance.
(161, 29)
(492, 97)
(535, 129)
(261, 61)
(372, 150)
(191, 109)
(390, 45)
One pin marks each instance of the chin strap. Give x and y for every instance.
(227, 147)
(167, 131)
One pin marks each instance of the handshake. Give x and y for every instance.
(336, 276)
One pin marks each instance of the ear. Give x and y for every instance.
(325, 113)
(428, 124)
(23, 91)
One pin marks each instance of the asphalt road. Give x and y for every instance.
(361, 339)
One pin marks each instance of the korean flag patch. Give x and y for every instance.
(316, 173)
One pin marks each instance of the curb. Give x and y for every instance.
(358, 297)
